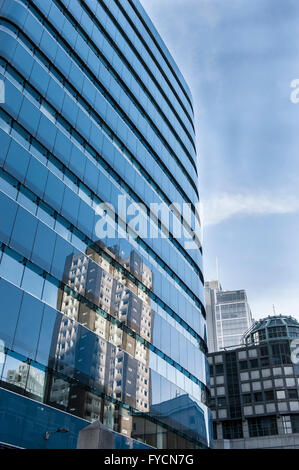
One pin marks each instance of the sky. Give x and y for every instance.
(239, 58)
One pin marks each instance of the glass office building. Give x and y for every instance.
(228, 316)
(111, 328)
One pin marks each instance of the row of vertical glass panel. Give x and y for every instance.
(47, 188)
(125, 99)
(60, 362)
(19, 160)
(93, 134)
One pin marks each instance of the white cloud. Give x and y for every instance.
(224, 206)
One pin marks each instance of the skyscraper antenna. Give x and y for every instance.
(274, 309)
(217, 269)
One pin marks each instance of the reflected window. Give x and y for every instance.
(36, 382)
(11, 267)
(32, 280)
(15, 372)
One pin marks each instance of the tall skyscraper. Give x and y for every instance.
(97, 323)
(228, 316)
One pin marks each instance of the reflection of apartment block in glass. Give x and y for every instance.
(119, 362)
(23, 376)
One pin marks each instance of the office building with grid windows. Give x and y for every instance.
(255, 388)
(108, 329)
(228, 316)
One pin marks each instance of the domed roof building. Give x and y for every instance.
(255, 387)
(272, 328)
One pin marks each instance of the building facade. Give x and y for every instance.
(228, 316)
(254, 388)
(97, 327)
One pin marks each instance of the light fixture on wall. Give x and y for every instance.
(48, 433)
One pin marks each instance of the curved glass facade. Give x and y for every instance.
(102, 313)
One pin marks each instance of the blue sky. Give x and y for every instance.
(239, 58)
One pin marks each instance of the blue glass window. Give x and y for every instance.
(29, 116)
(55, 94)
(43, 247)
(17, 161)
(46, 132)
(45, 214)
(28, 327)
(54, 191)
(23, 232)
(51, 292)
(12, 267)
(5, 142)
(62, 251)
(27, 199)
(8, 211)
(11, 298)
(36, 177)
(8, 184)
(49, 46)
(70, 206)
(32, 280)
(47, 333)
(77, 162)
(62, 227)
(13, 97)
(86, 219)
(15, 372)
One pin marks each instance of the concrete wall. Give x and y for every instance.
(287, 441)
